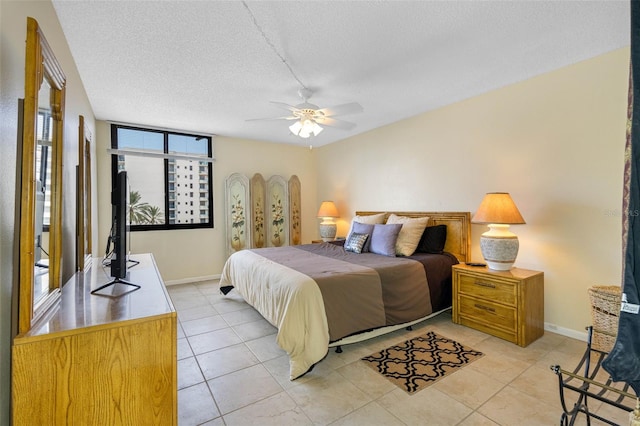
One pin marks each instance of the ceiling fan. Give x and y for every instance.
(310, 118)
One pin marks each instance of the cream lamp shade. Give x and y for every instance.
(499, 245)
(327, 212)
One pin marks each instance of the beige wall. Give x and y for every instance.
(13, 16)
(183, 255)
(555, 142)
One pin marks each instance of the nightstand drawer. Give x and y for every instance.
(509, 335)
(492, 314)
(492, 289)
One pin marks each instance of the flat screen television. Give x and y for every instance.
(118, 235)
(119, 197)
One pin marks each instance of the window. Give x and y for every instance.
(152, 159)
(43, 166)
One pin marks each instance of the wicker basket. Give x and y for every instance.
(605, 310)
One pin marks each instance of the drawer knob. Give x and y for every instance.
(485, 308)
(489, 285)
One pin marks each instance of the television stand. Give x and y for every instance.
(110, 360)
(114, 282)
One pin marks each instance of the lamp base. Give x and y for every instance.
(499, 247)
(328, 231)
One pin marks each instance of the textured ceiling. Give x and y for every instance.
(208, 66)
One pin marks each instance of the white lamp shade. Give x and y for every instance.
(295, 127)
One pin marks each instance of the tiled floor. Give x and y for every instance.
(231, 372)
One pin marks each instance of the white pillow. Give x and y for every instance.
(410, 234)
(370, 219)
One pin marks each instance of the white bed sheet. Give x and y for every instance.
(289, 300)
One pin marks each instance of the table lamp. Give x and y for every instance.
(499, 245)
(327, 212)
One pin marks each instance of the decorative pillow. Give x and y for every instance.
(409, 237)
(355, 242)
(363, 228)
(370, 219)
(383, 239)
(433, 239)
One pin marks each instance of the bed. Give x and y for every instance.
(324, 295)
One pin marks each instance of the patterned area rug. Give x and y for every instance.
(418, 363)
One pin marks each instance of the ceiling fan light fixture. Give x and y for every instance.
(309, 119)
(305, 128)
(316, 129)
(296, 127)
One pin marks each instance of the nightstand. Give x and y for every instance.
(505, 304)
(317, 241)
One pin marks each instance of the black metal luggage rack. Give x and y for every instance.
(583, 380)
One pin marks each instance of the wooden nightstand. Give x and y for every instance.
(316, 241)
(505, 304)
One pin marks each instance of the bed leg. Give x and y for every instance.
(409, 328)
(338, 349)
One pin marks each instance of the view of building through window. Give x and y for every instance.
(169, 186)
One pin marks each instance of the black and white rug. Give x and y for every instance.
(417, 363)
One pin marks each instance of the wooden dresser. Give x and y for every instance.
(100, 359)
(505, 304)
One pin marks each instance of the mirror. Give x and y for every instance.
(83, 221)
(41, 180)
(42, 172)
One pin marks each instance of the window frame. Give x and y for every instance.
(166, 225)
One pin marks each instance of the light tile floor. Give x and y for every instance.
(231, 372)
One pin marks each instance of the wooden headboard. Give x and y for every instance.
(458, 229)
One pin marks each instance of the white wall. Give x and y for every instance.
(183, 255)
(555, 142)
(13, 21)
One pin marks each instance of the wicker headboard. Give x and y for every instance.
(458, 229)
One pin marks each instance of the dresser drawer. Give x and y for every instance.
(495, 290)
(492, 314)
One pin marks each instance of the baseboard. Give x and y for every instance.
(578, 335)
(192, 280)
(566, 331)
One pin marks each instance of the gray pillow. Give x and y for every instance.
(364, 228)
(355, 242)
(383, 239)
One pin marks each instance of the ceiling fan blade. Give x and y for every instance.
(288, 117)
(285, 106)
(334, 122)
(344, 109)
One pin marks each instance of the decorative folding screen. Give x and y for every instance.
(237, 203)
(295, 229)
(262, 213)
(258, 194)
(277, 211)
